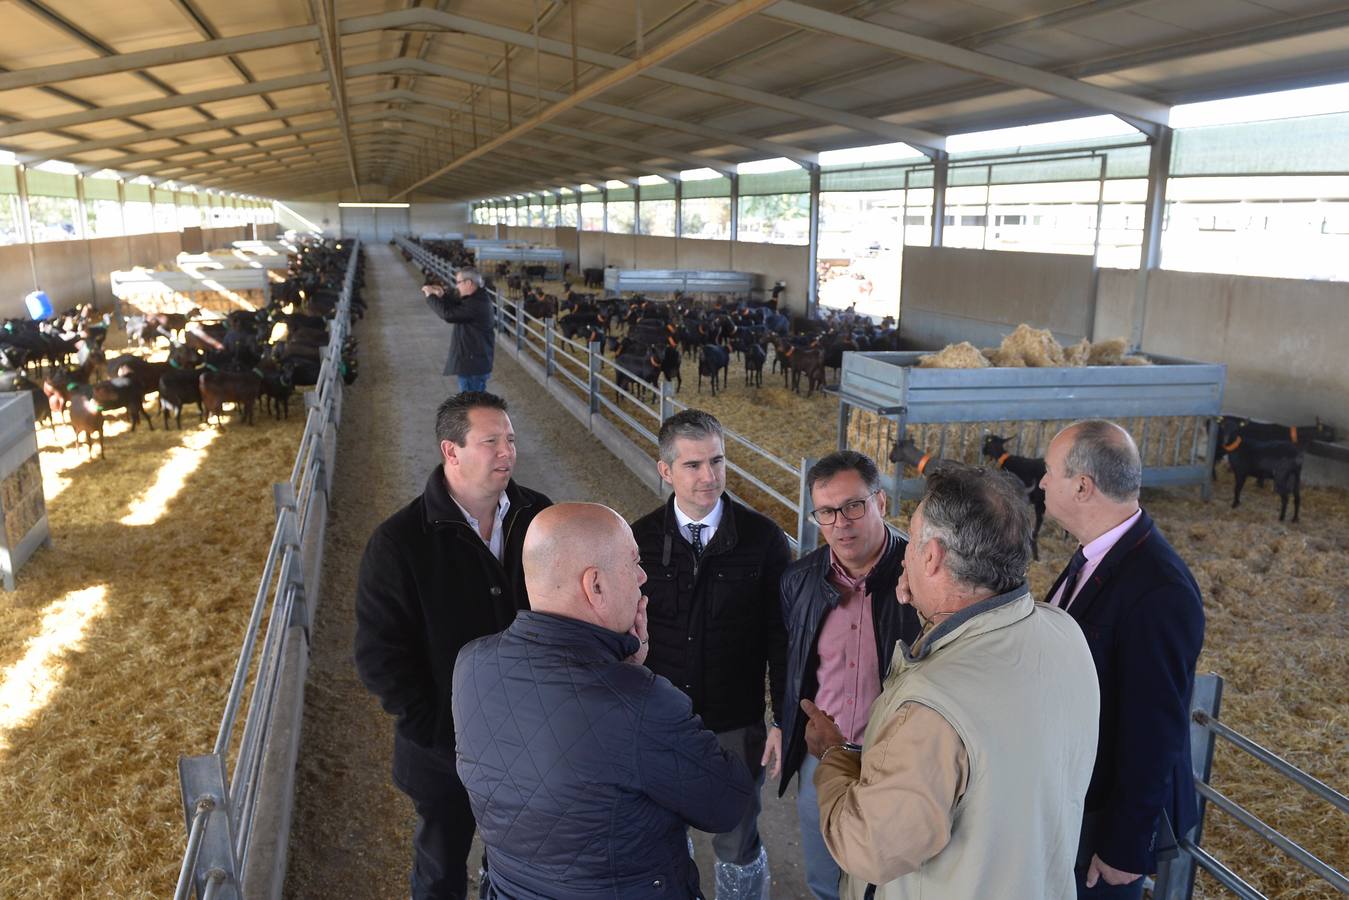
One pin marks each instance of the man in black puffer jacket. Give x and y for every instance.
(716, 621)
(584, 769)
(443, 570)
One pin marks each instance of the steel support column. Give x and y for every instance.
(812, 266)
(679, 211)
(735, 207)
(1154, 219)
(940, 171)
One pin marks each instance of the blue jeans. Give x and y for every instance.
(822, 873)
(473, 382)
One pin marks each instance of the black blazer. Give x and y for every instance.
(1144, 621)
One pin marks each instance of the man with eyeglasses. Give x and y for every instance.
(840, 641)
(469, 310)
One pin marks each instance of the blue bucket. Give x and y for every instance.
(39, 305)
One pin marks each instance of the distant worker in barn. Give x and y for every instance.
(1143, 618)
(443, 570)
(469, 310)
(968, 782)
(712, 571)
(842, 625)
(584, 768)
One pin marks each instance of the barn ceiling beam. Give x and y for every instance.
(770, 147)
(589, 158)
(429, 17)
(991, 67)
(65, 151)
(708, 27)
(330, 43)
(121, 162)
(159, 104)
(693, 159)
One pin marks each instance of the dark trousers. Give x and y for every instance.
(441, 846)
(740, 846)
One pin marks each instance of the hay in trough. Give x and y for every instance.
(1078, 354)
(127, 635)
(954, 356)
(1036, 346)
(1109, 352)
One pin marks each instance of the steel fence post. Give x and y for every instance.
(206, 807)
(547, 348)
(593, 385)
(666, 401)
(807, 532)
(1175, 877)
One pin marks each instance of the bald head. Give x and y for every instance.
(1107, 454)
(580, 561)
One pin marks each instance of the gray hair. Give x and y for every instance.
(472, 275)
(1107, 454)
(983, 520)
(690, 424)
(844, 461)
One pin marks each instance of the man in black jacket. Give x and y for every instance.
(583, 767)
(842, 624)
(440, 572)
(712, 567)
(471, 339)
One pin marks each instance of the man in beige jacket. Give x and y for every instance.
(976, 758)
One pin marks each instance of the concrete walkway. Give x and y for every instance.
(352, 829)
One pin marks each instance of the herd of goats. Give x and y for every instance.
(244, 357)
(650, 340)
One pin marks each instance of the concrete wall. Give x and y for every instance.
(949, 294)
(592, 249)
(432, 218)
(1281, 339)
(699, 253)
(79, 271)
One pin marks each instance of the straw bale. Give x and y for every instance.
(1003, 359)
(88, 783)
(954, 356)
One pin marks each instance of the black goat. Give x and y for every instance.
(755, 355)
(1030, 471)
(1280, 461)
(714, 360)
(907, 452)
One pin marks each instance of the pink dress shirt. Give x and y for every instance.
(849, 671)
(1094, 552)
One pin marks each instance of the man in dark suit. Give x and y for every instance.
(1143, 618)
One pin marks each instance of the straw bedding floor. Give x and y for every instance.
(117, 648)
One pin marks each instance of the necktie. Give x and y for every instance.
(696, 535)
(1070, 580)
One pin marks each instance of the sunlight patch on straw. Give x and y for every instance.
(27, 685)
(179, 463)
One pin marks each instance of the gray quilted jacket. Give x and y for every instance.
(584, 770)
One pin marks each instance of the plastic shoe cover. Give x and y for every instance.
(748, 882)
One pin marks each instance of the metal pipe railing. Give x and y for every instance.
(236, 794)
(1274, 761)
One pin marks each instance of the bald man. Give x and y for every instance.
(582, 767)
(1143, 618)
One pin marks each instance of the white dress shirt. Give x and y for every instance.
(711, 521)
(496, 543)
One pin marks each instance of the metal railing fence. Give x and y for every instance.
(532, 337)
(1175, 880)
(222, 790)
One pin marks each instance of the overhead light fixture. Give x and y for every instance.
(375, 205)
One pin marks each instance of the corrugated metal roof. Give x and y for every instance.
(141, 86)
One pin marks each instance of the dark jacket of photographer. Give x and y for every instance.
(471, 342)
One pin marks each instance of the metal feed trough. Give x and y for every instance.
(891, 385)
(680, 281)
(498, 252)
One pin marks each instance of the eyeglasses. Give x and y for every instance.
(852, 510)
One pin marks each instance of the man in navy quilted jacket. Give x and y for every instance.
(583, 768)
